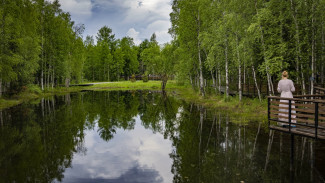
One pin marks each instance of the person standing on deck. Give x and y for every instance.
(286, 87)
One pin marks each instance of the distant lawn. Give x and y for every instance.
(136, 85)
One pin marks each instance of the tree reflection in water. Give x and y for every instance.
(37, 141)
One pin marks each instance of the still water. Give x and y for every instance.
(147, 137)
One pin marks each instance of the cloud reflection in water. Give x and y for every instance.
(138, 155)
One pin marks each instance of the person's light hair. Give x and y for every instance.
(285, 74)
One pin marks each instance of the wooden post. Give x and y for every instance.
(290, 116)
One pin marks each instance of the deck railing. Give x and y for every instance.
(304, 112)
(319, 90)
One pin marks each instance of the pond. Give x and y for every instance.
(147, 137)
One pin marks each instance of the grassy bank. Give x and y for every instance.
(248, 107)
(34, 92)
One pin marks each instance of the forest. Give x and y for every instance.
(216, 43)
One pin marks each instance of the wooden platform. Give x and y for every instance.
(306, 112)
(308, 132)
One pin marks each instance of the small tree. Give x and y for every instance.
(132, 79)
(145, 77)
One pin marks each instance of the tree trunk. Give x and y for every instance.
(199, 54)
(42, 47)
(258, 90)
(322, 53)
(298, 53)
(219, 78)
(303, 80)
(214, 81)
(239, 71)
(108, 73)
(227, 71)
(0, 87)
(312, 52)
(48, 77)
(53, 78)
(164, 79)
(67, 82)
(270, 86)
(244, 76)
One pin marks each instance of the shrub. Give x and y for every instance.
(34, 89)
(145, 78)
(132, 79)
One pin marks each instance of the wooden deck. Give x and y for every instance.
(307, 132)
(305, 112)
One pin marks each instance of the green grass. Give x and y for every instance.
(34, 92)
(128, 85)
(250, 108)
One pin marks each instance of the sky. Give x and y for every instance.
(138, 19)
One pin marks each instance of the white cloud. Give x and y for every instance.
(135, 35)
(160, 28)
(138, 19)
(80, 10)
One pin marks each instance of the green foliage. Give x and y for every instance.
(34, 89)
(145, 78)
(133, 79)
(270, 36)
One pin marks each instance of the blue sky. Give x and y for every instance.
(138, 19)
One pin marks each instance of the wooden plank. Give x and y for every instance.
(296, 119)
(295, 114)
(300, 131)
(319, 88)
(305, 110)
(316, 95)
(297, 99)
(295, 104)
(321, 118)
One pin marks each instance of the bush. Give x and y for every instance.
(34, 89)
(132, 79)
(145, 78)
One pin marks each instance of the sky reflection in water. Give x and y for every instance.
(138, 155)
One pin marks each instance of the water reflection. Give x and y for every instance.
(146, 137)
(131, 156)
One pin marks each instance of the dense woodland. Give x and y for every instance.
(215, 43)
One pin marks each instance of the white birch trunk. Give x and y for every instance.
(219, 78)
(303, 80)
(256, 85)
(312, 53)
(214, 81)
(53, 78)
(239, 71)
(294, 16)
(227, 71)
(269, 80)
(323, 52)
(244, 75)
(199, 54)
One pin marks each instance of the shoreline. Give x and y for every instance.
(250, 108)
